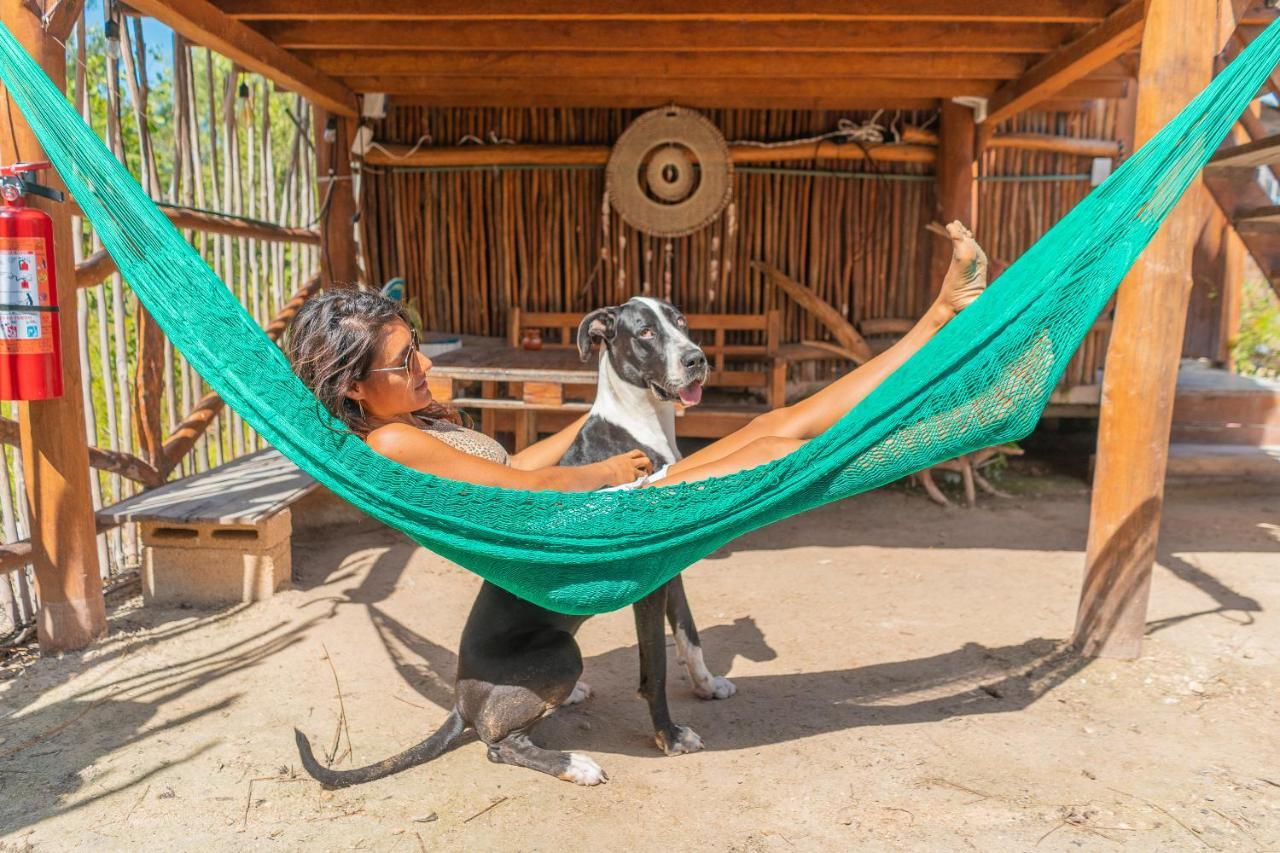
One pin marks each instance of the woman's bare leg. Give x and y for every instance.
(755, 452)
(964, 282)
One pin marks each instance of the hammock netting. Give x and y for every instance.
(982, 380)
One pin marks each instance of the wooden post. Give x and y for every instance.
(1142, 359)
(957, 189)
(55, 454)
(337, 201)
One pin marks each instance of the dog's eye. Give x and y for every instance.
(646, 333)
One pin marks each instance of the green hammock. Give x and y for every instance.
(982, 380)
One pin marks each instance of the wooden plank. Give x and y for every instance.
(669, 63)
(1055, 11)
(842, 101)
(835, 322)
(203, 23)
(1260, 152)
(543, 394)
(243, 491)
(1121, 31)
(641, 35)
(1142, 358)
(55, 453)
(502, 404)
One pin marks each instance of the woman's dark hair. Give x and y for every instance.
(331, 347)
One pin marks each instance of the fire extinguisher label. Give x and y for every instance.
(24, 280)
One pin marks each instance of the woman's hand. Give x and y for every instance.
(626, 467)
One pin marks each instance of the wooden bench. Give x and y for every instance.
(743, 351)
(219, 537)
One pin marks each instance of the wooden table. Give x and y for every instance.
(491, 375)
(512, 387)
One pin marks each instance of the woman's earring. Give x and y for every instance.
(359, 406)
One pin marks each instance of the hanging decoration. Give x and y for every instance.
(669, 173)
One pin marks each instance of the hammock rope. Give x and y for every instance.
(982, 380)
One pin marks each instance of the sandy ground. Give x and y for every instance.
(902, 684)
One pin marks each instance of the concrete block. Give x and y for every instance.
(205, 564)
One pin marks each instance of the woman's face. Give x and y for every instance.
(397, 382)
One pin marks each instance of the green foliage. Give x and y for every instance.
(1256, 349)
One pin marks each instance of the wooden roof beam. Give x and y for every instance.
(203, 23)
(1050, 11)
(1120, 32)
(681, 63)
(649, 36)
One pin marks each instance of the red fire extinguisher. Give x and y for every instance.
(30, 352)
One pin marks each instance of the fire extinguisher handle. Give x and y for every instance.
(32, 188)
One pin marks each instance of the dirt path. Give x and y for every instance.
(901, 684)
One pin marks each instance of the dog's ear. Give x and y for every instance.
(601, 324)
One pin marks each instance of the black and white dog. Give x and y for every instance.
(518, 662)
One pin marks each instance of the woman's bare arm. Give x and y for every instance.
(550, 450)
(415, 449)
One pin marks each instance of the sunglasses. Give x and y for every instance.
(410, 358)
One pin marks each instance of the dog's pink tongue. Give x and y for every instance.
(691, 394)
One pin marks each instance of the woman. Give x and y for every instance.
(355, 351)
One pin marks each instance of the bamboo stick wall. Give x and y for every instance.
(222, 158)
(472, 241)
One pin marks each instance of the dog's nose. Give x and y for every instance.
(695, 361)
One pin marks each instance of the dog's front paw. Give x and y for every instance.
(715, 687)
(680, 740)
(581, 693)
(583, 771)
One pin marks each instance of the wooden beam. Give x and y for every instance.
(203, 23)
(957, 187)
(385, 154)
(92, 270)
(1057, 144)
(1121, 31)
(670, 63)
(707, 92)
(214, 223)
(112, 461)
(338, 265)
(647, 36)
(1142, 358)
(1055, 11)
(55, 455)
(598, 155)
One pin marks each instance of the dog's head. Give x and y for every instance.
(648, 344)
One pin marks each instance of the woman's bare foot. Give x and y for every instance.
(967, 276)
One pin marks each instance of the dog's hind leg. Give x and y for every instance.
(652, 636)
(689, 649)
(517, 749)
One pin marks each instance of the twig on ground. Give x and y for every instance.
(137, 803)
(940, 781)
(487, 808)
(1055, 828)
(1170, 814)
(342, 717)
(355, 811)
(248, 802)
(410, 704)
(421, 846)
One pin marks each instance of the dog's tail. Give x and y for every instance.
(413, 756)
